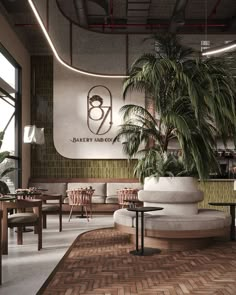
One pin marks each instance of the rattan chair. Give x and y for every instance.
(81, 198)
(21, 219)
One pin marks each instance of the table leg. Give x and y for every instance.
(82, 213)
(136, 251)
(232, 228)
(142, 234)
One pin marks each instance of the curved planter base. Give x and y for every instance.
(177, 241)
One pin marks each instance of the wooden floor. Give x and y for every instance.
(99, 263)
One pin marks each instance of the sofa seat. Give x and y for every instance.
(112, 200)
(204, 220)
(22, 218)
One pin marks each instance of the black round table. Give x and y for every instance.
(143, 251)
(232, 213)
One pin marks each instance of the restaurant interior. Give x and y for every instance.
(117, 147)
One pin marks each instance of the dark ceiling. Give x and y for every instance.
(127, 16)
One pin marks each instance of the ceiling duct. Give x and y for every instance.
(81, 12)
(178, 16)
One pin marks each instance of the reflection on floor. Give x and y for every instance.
(25, 269)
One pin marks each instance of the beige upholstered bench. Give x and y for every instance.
(177, 232)
(180, 225)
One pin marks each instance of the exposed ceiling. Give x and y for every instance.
(127, 16)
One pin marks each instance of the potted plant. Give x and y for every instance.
(3, 156)
(193, 102)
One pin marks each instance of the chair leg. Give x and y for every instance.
(70, 212)
(4, 238)
(35, 230)
(44, 220)
(60, 221)
(19, 236)
(86, 212)
(91, 211)
(39, 229)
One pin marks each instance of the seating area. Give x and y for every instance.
(117, 147)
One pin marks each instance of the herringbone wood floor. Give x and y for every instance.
(99, 263)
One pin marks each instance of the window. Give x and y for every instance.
(10, 101)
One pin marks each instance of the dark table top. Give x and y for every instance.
(22, 193)
(222, 203)
(7, 198)
(144, 209)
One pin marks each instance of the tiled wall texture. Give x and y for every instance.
(46, 162)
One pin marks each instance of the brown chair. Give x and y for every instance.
(52, 204)
(21, 219)
(51, 208)
(82, 198)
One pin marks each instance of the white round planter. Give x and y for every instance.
(170, 184)
(177, 195)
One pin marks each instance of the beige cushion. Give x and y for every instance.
(113, 187)
(50, 207)
(112, 200)
(173, 209)
(100, 187)
(52, 188)
(98, 199)
(170, 196)
(22, 218)
(205, 220)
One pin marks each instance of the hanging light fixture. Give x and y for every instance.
(33, 135)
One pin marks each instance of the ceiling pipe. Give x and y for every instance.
(178, 16)
(81, 12)
(213, 12)
(151, 25)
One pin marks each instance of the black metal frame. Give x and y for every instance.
(18, 113)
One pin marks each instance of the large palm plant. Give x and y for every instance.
(193, 99)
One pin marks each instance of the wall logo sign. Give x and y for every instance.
(99, 110)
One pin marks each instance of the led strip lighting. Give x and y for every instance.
(220, 49)
(57, 55)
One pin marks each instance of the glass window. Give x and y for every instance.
(9, 117)
(7, 71)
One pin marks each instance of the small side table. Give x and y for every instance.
(143, 251)
(232, 213)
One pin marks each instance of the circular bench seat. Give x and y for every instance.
(177, 231)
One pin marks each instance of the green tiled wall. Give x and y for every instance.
(217, 191)
(46, 162)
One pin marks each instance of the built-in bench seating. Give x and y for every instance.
(105, 198)
(180, 225)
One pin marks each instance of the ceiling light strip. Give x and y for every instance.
(57, 55)
(220, 49)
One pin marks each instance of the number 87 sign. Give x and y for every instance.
(99, 110)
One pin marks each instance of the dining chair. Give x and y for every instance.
(21, 219)
(52, 204)
(82, 198)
